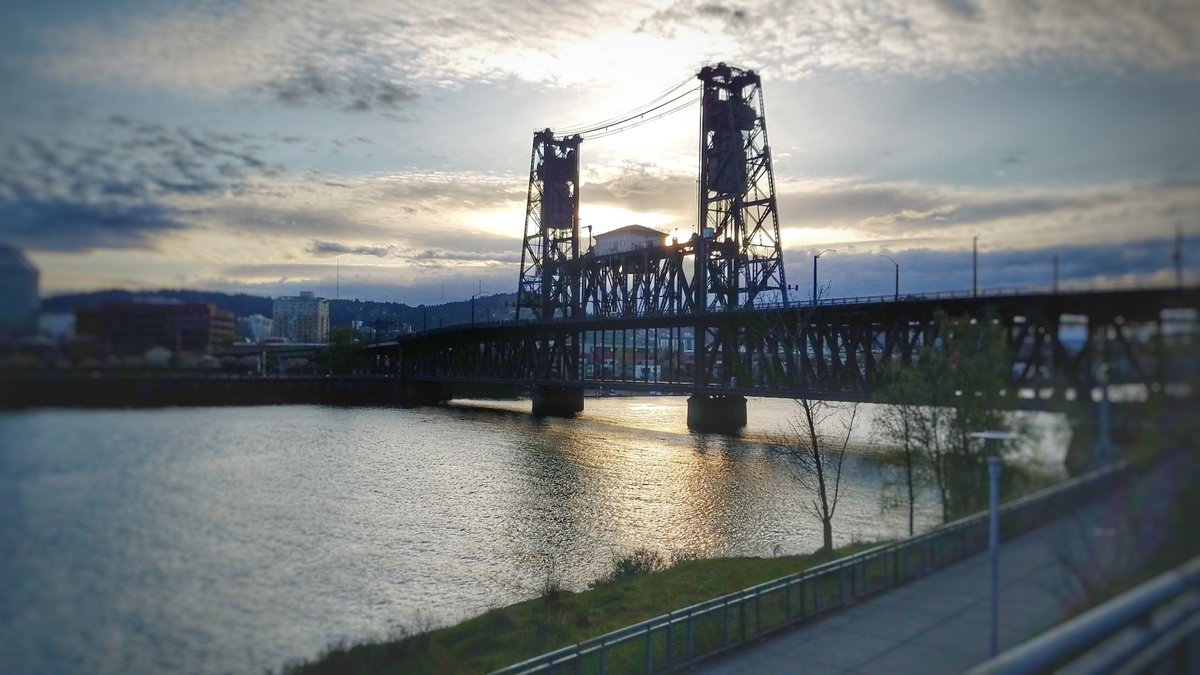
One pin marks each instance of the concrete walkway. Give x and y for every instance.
(941, 623)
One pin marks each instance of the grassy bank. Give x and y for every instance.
(511, 634)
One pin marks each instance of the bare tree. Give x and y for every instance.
(902, 420)
(815, 457)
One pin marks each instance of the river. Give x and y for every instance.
(214, 540)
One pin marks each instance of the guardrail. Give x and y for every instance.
(1157, 620)
(685, 636)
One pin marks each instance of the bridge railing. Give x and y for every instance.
(1152, 628)
(673, 640)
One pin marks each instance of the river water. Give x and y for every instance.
(213, 540)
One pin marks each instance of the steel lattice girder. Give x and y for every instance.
(837, 350)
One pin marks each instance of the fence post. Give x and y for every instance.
(725, 621)
(649, 651)
(691, 646)
(670, 643)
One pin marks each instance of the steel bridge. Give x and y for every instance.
(711, 317)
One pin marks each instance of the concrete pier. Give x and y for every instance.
(557, 401)
(718, 414)
(414, 394)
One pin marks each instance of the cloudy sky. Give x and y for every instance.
(261, 145)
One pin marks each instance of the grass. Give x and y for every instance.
(560, 618)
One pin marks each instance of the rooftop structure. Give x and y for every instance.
(627, 238)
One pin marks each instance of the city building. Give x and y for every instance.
(303, 318)
(19, 302)
(255, 328)
(134, 327)
(628, 238)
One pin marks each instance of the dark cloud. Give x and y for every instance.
(857, 270)
(325, 248)
(426, 248)
(729, 16)
(115, 191)
(68, 226)
(313, 86)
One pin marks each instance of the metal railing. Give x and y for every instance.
(1157, 623)
(682, 637)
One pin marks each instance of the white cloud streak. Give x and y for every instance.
(369, 49)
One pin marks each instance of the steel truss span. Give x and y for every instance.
(1056, 344)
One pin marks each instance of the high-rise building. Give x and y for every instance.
(19, 303)
(303, 318)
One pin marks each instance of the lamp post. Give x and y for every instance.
(993, 439)
(828, 250)
(897, 298)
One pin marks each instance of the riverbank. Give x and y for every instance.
(557, 618)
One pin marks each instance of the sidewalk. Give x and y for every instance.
(941, 623)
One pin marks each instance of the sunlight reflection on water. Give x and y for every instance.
(236, 539)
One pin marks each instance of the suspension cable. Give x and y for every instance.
(635, 112)
(607, 131)
(619, 125)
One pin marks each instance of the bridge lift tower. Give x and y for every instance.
(736, 249)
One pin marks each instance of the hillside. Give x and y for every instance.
(341, 312)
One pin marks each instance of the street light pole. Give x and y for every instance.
(828, 250)
(993, 439)
(897, 298)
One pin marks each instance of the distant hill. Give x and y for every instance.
(341, 312)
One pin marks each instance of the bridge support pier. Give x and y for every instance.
(414, 394)
(557, 401)
(718, 414)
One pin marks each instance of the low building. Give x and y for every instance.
(628, 238)
(303, 318)
(255, 328)
(134, 327)
(19, 302)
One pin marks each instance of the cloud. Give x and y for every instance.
(924, 270)
(376, 54)
(122, 189)
(69, 226)
(352, 93)
(640, 186)
(848, 211)
(326, 248)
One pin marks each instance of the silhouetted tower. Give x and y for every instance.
(739, 259)
(549, 285)
(741, 262)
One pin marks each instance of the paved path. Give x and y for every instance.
(941, 623)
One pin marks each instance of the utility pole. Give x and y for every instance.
(975, 266)
(1179, 254)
